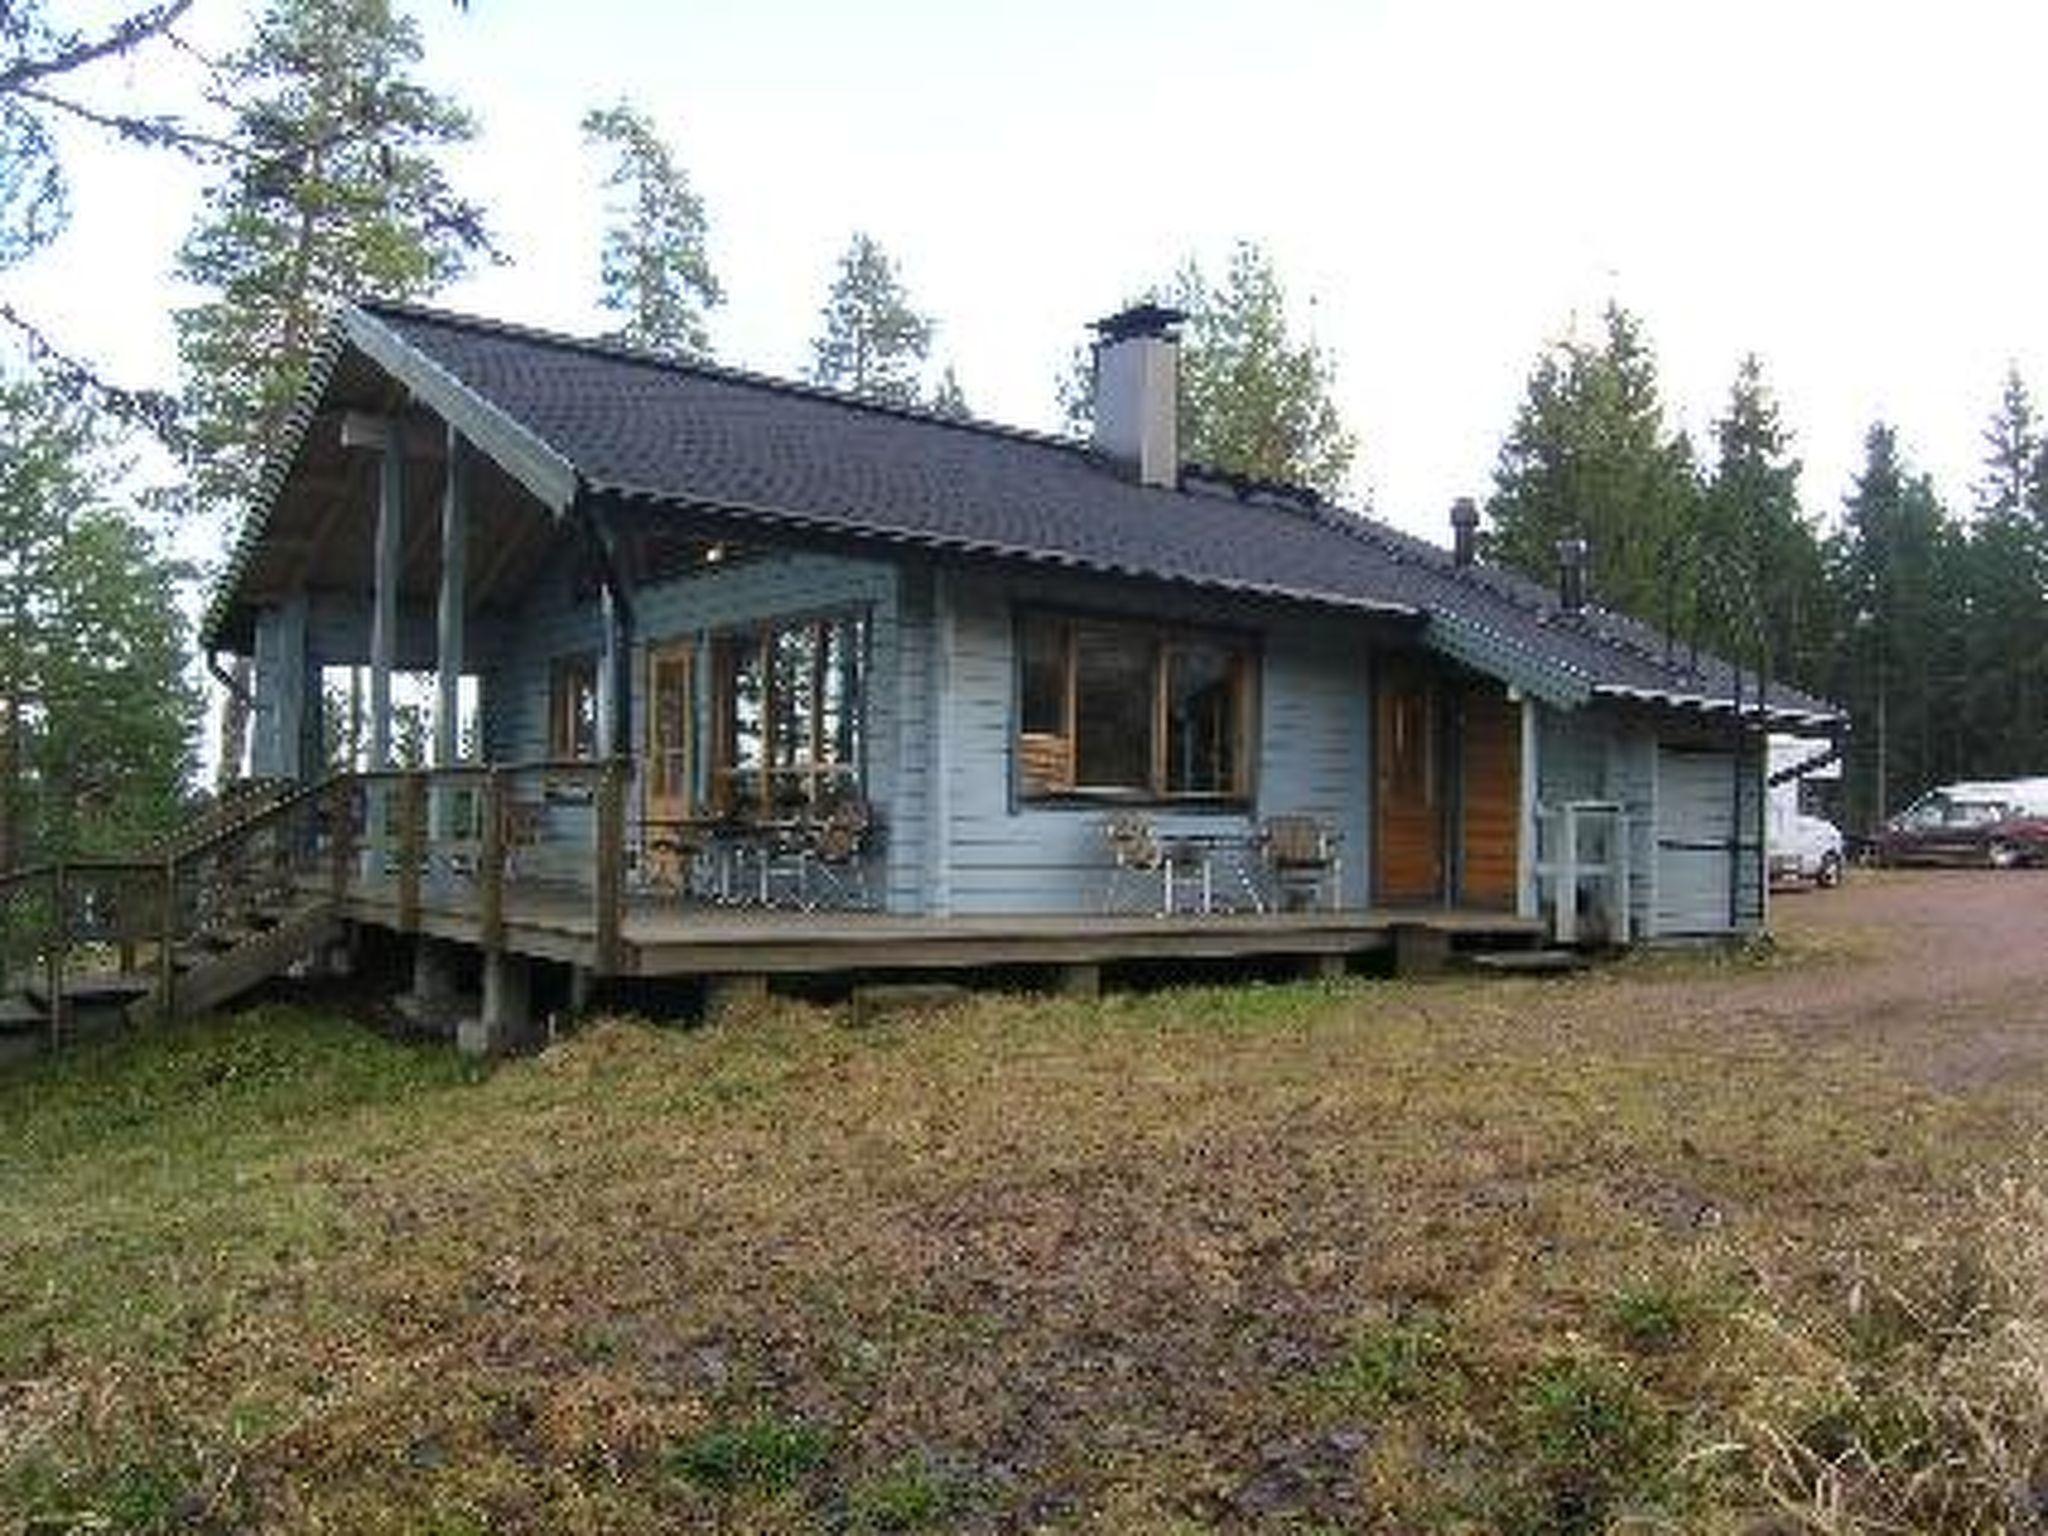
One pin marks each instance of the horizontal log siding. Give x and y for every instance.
(1006, 856)
(763, 587)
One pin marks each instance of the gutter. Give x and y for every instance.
(234, 689)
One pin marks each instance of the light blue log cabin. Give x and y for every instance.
(764, 600)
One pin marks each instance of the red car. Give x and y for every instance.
(1954, 826)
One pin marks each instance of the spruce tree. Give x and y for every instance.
(873, 343)
(1894, 567)
(1763, 595)
(1255, 400)
(95, 713)
(948, 398)
(656, 276)
(1591, 456)
(2005, 672)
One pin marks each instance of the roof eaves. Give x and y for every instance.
(270, 484)
(518, 450)
(1719, 703)
(1482, 646)
(620, 352)
(993, 549)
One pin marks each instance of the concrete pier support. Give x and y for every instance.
(433, 977)
(1324, 967)
(1420, 950)
(507, 1021)
(730, 997)
(1080, 981)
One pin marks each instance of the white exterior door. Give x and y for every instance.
(1695, 840)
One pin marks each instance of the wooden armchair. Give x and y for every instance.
(1138, 857)
(1301, 858)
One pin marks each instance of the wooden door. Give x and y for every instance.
(671, 766)
(1490, 797)
(1408, 821)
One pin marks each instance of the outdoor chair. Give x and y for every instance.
(1301, 860)
(837, 874)
(1140, 863)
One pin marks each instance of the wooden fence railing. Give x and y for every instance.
(457, 839)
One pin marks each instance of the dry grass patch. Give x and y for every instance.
(1463, 1256)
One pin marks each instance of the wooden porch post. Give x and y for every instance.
(449, 616)
(610, 884)
(448, 634)
(1528, 897)
(55, 962)
(384, 604)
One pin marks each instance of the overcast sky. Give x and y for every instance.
(1851, 190)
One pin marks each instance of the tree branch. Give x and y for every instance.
(76, 53)
(163, 132)
(150, 408)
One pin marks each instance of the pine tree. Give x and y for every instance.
(335, 193)
(656, 276)
(1590, 456)
(873, 343)
(95, 714)
(1763, 594)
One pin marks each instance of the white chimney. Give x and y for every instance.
(1137, 391)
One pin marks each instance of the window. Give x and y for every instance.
(790, 708)
(1131, 709)
(572, 709)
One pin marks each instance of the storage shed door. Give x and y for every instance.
(1695, 840)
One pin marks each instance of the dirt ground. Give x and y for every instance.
(1943, 972)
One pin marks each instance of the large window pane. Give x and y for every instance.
(1042, 678)
(793, 699)
(1113, 697)
(1201, 720)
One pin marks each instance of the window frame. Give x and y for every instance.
(1164, 638)
(823, 782)
(567, 675)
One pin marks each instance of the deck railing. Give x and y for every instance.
(444, 839)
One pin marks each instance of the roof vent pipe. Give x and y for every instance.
(1571, 574)
(1464, 532)
(1137, 391)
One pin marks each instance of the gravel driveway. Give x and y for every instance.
(1944, 971)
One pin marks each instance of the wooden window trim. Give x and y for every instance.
(811, 772)
(1164, 638)
(563, 672)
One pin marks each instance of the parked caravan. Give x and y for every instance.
(1803, 848)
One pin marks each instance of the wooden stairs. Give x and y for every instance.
(208, 970)
(183, 927)
(217, 965)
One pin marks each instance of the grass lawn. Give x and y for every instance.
(1632, 1251)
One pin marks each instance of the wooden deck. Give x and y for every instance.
(666, 936)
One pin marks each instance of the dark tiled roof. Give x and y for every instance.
(707, 436)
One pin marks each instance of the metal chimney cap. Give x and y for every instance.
(1140, 320)
(1464, 513)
